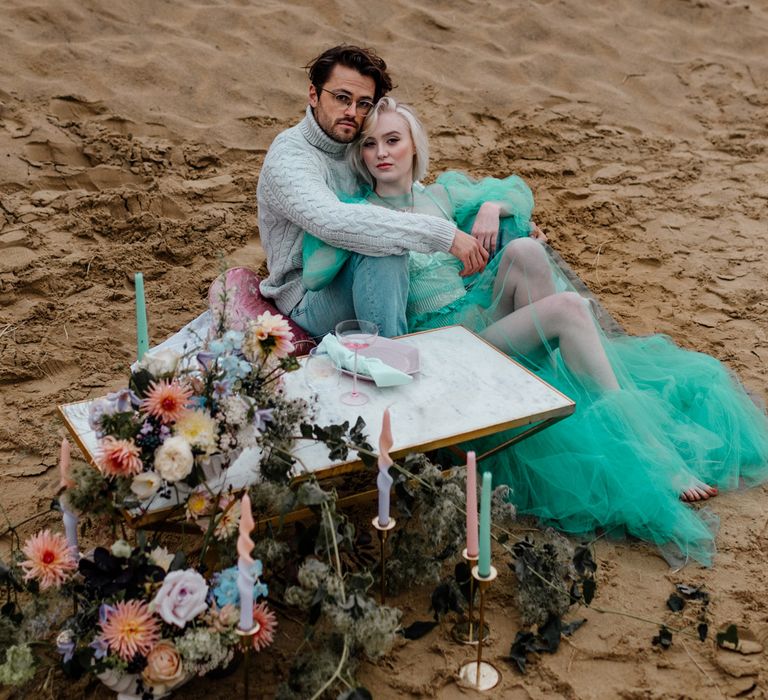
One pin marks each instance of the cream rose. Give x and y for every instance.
(181, 598)
(161, 557)
(174, 459)
(164, 669)
(146, 484)
(160, 364)
(120, 548)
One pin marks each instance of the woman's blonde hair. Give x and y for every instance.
(418, 136)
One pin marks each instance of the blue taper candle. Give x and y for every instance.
(142, 336)
(484, 558)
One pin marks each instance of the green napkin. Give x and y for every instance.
(381, 373)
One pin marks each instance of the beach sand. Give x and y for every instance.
(131, 137)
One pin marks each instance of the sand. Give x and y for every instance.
(131, 137)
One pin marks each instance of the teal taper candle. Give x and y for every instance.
(484, 558)
(142, 337)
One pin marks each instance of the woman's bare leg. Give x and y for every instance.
(524, 276)
(564, 317)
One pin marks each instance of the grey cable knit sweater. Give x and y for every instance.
(302, 172)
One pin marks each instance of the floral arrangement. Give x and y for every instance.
(140, 619)
(144, 619)
(183, 419)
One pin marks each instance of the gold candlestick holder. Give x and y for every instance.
(246, 644)
(480, 674)
(467, 631)
(383, 532)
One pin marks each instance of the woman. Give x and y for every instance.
(652, 421)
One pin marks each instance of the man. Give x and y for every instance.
(304, 170)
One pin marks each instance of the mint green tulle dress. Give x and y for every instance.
(619, 463)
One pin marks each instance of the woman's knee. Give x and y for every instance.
(525, 252)
(572, 308)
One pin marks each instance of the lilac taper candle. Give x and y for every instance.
(245, 575)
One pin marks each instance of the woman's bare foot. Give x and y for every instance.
(698, 491)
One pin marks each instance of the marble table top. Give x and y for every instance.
(465, 388)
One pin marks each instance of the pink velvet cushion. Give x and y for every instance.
(244, 303)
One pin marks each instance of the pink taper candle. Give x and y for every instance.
(66, 482)
(472, 545)
(245, 577)
(384, 480)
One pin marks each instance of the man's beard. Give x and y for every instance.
(344, 136)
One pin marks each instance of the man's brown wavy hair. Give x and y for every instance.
(365, 61)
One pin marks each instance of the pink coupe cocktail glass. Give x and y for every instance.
(356, 335)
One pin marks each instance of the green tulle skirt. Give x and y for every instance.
(620, 462)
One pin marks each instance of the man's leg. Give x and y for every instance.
(373, 289)
(380, 291)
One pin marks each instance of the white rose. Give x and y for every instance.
(181, 598)
(174, 459)
(121, 549)
(146, 484)
(162, 363)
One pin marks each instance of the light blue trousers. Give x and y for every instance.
(367, 288)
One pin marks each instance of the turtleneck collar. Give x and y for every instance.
(311, 131)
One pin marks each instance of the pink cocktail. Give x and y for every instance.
(356, 335)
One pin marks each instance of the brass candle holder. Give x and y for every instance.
(480, 674)
(466, 631)
(246, 644)
(383, 532)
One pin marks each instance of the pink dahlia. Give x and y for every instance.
(267, 625)
(269, 334)
(166, 400)
(128, 628)
(49, 559)
(119, 457)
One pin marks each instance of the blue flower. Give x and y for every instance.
(233, 339)
(226, 592)
(215, 347)
(234, 367)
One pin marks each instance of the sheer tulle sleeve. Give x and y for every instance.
(321, 261)
(467, 194)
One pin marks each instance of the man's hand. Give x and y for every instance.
(486, 226)
(472, 255)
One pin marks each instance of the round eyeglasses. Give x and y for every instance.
(362, 107)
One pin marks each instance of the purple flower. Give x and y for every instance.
(221, 388)
(65, 644)
(100, 648)
(261, 417)
(98, 409)
(124, 400)
(206, 359)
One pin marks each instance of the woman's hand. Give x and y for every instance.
(467, 249)
(537, 234)
(486, 227)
